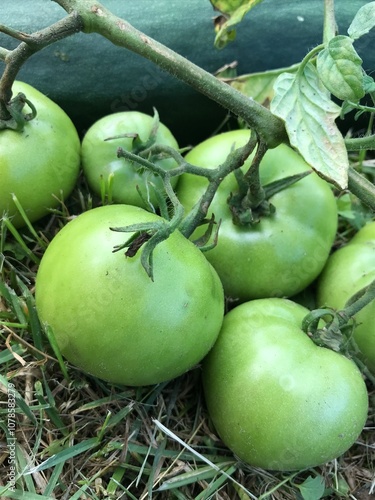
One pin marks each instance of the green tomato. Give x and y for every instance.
(39, 165)
(109, 318)
(120, 178)
(348, 270)
(276, 399)
(365, 235)
(284, 252)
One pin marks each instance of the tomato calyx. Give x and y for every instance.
(252, 201)
(146, 235)
(17, 118)
(149, 234)
(334, 329)
(203, 242)
(329, 328)
(139, 145)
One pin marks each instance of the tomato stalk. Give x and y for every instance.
(336, 334)
(144, 158)
(151, 235)
(359, 301)
(29, 45)
(97, 19)
(17, 117)
(329, 26)
(362, 188)
(366, 142)
(89, 16)
(249, 203)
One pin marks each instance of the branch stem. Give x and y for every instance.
(30, 44)
(362, 188)
(96, 18)
(329, 25)
(361, 300)
(366, 142)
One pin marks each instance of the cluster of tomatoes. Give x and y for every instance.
(277, 399)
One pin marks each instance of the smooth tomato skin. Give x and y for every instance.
(40, 165)
(284, 253)
(109, 318)
(277, 400)
(348, 270)
(365, 235)
(99, 157)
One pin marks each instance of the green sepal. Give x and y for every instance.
(18, 118)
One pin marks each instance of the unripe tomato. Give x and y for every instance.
(276, 399)
(120, 177)
(284, 252)
(348, 270)
(40, 164)
(109, 318)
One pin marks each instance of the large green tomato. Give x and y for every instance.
(40, 165)
(348, 270)
(109, 318)
(119, 177)
(284, 252)
(276, 399)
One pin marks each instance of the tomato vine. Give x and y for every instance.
(89, 16)
(269, 127)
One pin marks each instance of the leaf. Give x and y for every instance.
(233, 12)
(228, 6)
(363, 21)
(259, 86)
(340, 69)
(312, 488)
(368, 84)
(309, 114)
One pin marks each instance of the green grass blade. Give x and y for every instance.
(33, 320)
(21, 466)
(50, 406)
(54, 478)
(19, 239)
(64, 455)
(29, 225)
(216, 485)
(203, 473)
(202, 457)
(115, 480)
(7, 355)
(14, 303)
(52, 340)
(21, 403)
(22, 495)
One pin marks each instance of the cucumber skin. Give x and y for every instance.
(89, 77)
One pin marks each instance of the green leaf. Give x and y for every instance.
(259, 86)
(312, 488)
(368, 84)
(233, 12)
(363, 21)
(228, 6)
(309, 114)
(340, 69)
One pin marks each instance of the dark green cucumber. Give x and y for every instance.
(89, 77)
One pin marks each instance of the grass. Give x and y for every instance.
(77, 437)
